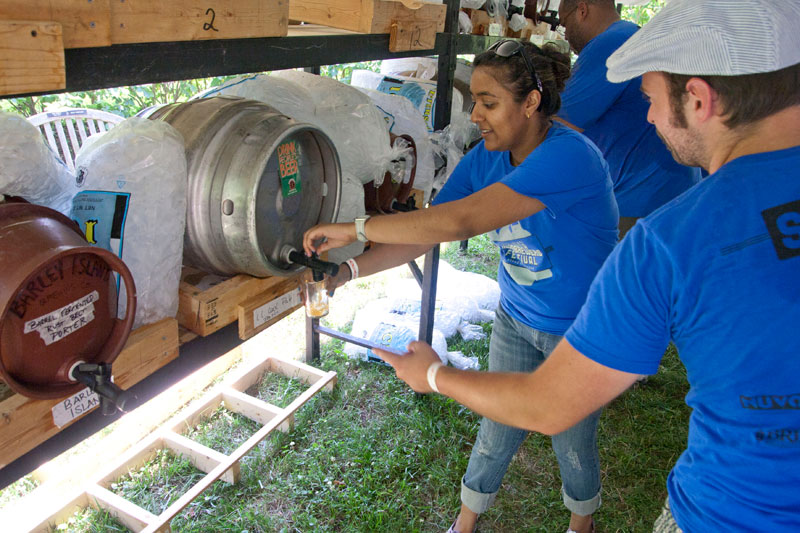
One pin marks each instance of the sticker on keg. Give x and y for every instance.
(288, 155)
(57, 324)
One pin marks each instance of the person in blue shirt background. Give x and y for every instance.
(543, 193)
(614, 115)
(716, 271)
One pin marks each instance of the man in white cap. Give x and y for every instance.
(716, 271)
(614, 115)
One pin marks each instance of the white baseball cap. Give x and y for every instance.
(712, 37)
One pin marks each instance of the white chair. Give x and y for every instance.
(67, 130)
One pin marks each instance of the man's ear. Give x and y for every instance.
(702, 100)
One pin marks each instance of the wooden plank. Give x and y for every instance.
(388, 12)
(298, 370)
(202, 457)
(71, 468)
(405, 36)
(132, 460)
(148, 348)
(177, 506)
(31, 57)
(206, 310)
(261, 311)
(367, 16)
(64, 509)
(136, 21)
(147, 448)
(27, 422)
(131, 515)
(196, 412)
(84, 23)
(254, 409)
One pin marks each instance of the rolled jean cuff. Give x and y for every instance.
(477, 502)
(579, 507)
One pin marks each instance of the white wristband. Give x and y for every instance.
(432, 371)
(353, 266)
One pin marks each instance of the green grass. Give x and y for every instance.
(481, 256)
(374, 456)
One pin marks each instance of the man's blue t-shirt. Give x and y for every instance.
(614, 116)
(547, 260)
(717, 271)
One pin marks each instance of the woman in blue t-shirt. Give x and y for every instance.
(544, 194)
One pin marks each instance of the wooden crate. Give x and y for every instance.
(31, 57)
(208, 303)
(27, 422)
(138, 21)
(84, 23)
(412, 24)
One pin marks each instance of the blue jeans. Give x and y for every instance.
(516, 347)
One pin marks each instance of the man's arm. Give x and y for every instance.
(565, 389)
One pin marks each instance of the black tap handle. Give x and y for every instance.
(314, 263)
(98, 378)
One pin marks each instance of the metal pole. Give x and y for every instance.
(312, 339)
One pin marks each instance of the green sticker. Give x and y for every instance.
(288, 168)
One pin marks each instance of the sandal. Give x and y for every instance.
(453, 530)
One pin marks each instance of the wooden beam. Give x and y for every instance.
(131, 515)
(254, 409)
(31, 57)
(84, 23)
(202, 457)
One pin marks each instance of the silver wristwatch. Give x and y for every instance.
(360, 233)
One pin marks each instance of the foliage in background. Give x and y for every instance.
(344, 72)
(642, 14)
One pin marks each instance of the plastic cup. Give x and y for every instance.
(316, 299)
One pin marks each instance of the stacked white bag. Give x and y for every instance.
(464, 300)
(132, 201)
(30, 169)
(403, 118)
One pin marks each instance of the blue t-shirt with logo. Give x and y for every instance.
(547, 260)
(614, 116)
(717, 272)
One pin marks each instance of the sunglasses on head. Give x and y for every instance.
(507, 48)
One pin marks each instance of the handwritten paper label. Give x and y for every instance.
(58, 324)
(76, 405)
(270, 310)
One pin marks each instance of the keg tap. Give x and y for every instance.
(316, 293)
(98, 378)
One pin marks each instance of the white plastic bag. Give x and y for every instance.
(377, 323)
(403, 118)
(30, 169)
(132, 201)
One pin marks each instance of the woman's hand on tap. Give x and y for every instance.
(328, 236)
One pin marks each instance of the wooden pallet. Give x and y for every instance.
(207, 302)
(412, 24)
(215, 464)
(27, 422)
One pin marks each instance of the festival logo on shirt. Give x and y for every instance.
(522, 254)
(783, 224)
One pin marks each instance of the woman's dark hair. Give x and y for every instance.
(551, 66)
(746, 98)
